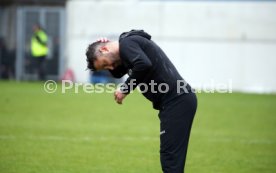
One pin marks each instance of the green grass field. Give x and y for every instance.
(90, 133)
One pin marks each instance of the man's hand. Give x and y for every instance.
(119, 96)
(102, 40)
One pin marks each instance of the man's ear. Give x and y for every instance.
(103, 49)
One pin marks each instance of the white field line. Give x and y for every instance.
(243, 141)
(131, 138)
(80, 139)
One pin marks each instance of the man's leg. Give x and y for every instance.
(176, 122)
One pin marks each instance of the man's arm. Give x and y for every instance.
(133, 54)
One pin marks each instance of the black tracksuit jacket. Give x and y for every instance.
(145, 61)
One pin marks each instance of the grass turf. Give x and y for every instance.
(90, 133)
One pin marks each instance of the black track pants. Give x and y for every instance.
(176, 120)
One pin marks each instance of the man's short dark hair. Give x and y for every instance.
(91, 54)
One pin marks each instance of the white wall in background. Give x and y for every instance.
(209, 42)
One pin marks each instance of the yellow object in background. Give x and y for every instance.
(39, 44)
